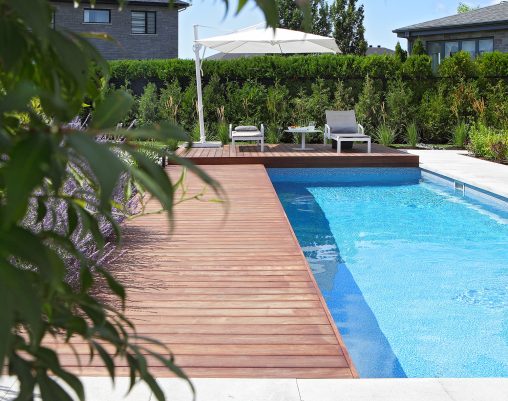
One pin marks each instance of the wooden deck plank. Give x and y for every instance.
(288, 155)
(229, 291)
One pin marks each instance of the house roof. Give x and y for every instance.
(486, 16)
(371, 50)
(161, 3)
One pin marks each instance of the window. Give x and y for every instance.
(450, 48)
(485, 46)
(96, 16)
(470, 47)
(475, 47)
(143, 22)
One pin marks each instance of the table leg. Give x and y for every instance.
(303, 141)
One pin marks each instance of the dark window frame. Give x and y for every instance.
(97, 9)
(146, 25)
(477, 44)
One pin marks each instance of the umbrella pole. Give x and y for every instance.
(197, 48)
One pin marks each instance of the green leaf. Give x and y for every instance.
(72, 218)
(41, 210)
(108, 361)
(73, 382)
(104, 164)
(113, 284)
(36, 14)
(50, 389)
(163, 132)
(112, 110)
(154, 178)
(24, 172)
(18, 98)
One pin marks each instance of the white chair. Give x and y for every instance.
(341, 126)
(248, 133)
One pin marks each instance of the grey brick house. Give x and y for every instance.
(144, 29)
(477, 31)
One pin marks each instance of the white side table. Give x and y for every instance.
(303, 131)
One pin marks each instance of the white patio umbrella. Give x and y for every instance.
(259, 41)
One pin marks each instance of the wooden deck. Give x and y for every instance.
(285, 155)
(230, 291)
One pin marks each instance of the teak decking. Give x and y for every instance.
(288, 155)
(230, 291)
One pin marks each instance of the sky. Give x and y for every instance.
(381, 18)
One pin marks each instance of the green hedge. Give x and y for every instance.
(280, 91)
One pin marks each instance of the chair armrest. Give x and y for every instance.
(263, 129)
(361, 130)
(327, 131)
(230, 131)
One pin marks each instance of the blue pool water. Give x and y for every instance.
(414, 273)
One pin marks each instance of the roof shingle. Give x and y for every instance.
(494, 14)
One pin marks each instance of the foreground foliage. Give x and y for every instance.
(59, 184)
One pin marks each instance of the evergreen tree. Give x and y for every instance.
(321, 18)
(347, 25)
(291, 16)
(400, 53)
(418, 48)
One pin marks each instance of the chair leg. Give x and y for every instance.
(262, 145)
(339, 145)
(369, 148)
(233, 142)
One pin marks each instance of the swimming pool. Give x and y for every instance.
(414, 272)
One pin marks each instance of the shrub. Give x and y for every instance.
(277, 111)
(272, 135)
(464, 101)
(399, 100)
(499, 149)
(460, 134)
(223, 132)
(459, 66)
(278, 91)
(418, 48)
(385, 135)
(170, 102)
(496, 106)
(412, 136)
(368, 108)
(147, 109)
(435, 117)
(488, 143)
(343, 98)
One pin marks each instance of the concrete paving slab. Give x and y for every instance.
(6, 385)
(232, 390)
(457, 165)
(373, 390)
(476, 389)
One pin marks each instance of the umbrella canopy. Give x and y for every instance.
(268, 40)
(256, 41)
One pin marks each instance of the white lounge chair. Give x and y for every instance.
(248, 133)
(341, 126)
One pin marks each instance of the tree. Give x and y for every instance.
(464, 8)
(58, 185)
(321, 18)
(347, 26)
(292, 17)
(418, 48)
(400, 53)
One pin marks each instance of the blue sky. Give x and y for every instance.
(381, 17)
